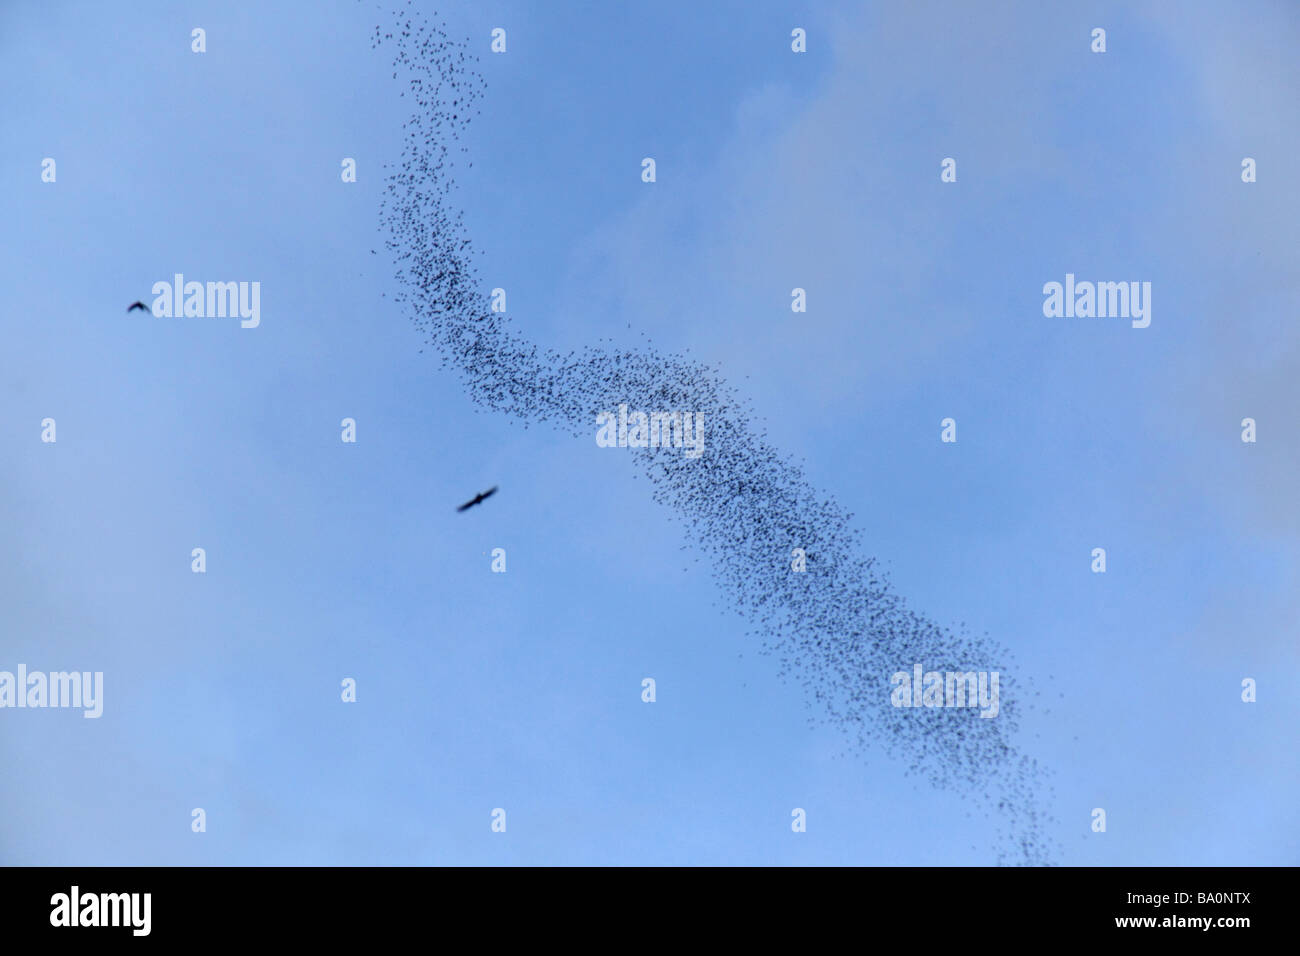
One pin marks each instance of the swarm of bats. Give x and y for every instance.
(838, 629)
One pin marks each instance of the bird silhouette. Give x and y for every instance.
(137, 305)
(478, 498)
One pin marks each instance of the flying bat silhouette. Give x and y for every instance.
(478, 498)
(137, 305)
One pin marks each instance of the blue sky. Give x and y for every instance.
(522, 690)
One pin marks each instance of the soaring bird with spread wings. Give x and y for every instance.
(478, 498)
(137, 305)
